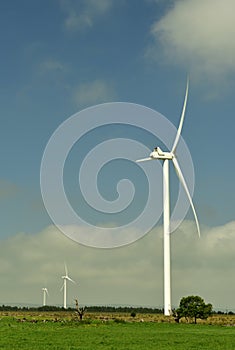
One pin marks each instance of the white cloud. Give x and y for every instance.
(83, 14)
(199, 34)
(128, 275)
(94, 92)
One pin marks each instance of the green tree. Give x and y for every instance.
(192, 307)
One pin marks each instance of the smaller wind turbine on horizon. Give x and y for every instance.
(64, 286)
(44, 296)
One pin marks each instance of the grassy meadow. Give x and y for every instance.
(55, 331)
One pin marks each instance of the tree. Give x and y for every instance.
(192, 307)
(79, 311)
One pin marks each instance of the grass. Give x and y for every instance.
(115, 334)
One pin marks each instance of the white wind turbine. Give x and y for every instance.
(158, 154)
(44, 296)
(64, 286)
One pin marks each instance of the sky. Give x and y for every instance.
(60, 57)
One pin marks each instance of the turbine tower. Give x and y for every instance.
(64, 286)
(158, 154)
(44, 295)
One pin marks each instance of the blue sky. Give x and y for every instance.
(61, 56)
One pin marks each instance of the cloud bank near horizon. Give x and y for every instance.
(132, 275)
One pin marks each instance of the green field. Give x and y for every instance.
(116, 334)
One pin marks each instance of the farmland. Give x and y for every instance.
(41, 331)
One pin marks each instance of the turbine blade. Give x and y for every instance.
(70, 279)
(66, 269)
(143, 160)
(181, 119)
(182, 180)
(62, 287)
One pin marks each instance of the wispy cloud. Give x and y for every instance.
(83, 14)
(198, 34)
(97, 91)
(128, 275)
(51, 65)
(7, 189)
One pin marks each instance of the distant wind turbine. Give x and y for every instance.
(158, 154)
(64, 286)
(44, 295)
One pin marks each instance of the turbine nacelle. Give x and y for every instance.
(45, 290)
(68, 278)
(159, 154)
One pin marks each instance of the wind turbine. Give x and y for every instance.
(44, 295)
(64, 286)
(158, 154)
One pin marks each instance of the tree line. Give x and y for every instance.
(109, 309)
(190, 308)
